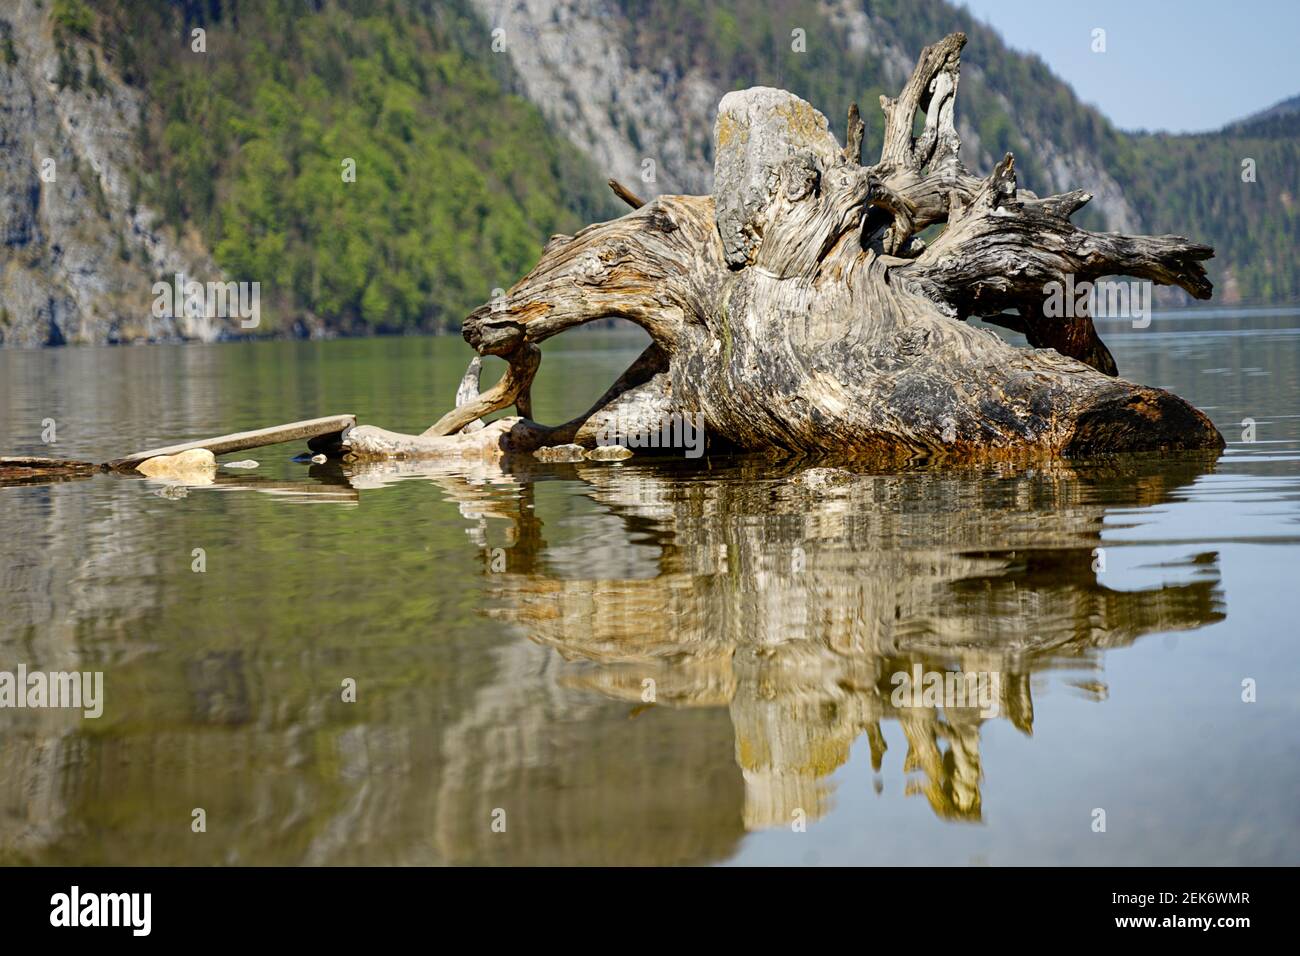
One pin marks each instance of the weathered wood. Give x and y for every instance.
(489, 444)
(854, 131)
(468, 390)
(221, 444)
(521, 367)
(625, 194)
(20, 469)
(798, 308)
(635, 404)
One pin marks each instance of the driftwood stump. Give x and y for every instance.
(799, 308)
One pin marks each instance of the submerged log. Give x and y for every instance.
(23, 469)
(799, 308)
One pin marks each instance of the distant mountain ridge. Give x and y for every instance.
(480, 127)
(1280, 119)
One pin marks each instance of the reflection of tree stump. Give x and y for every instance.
(893, 573)
(798, 307)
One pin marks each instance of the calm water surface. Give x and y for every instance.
(501, 631)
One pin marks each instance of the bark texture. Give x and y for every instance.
(799, 308)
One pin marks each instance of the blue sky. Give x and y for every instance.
(1179, 66)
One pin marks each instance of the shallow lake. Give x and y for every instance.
(652, 661)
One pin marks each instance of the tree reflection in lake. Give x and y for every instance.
(791, 604)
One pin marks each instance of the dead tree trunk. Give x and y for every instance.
(798, 307)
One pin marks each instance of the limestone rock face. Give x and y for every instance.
(79, 256)
(576, 60)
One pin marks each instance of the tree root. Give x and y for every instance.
(798, 309)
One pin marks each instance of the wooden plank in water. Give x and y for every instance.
(220, 445)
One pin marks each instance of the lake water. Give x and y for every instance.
(504, 632)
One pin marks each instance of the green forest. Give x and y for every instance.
(366, 162)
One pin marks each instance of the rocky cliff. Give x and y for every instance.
(78, 258)
(644, 110)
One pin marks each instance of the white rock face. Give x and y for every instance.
(77, 262)
(573, 60)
